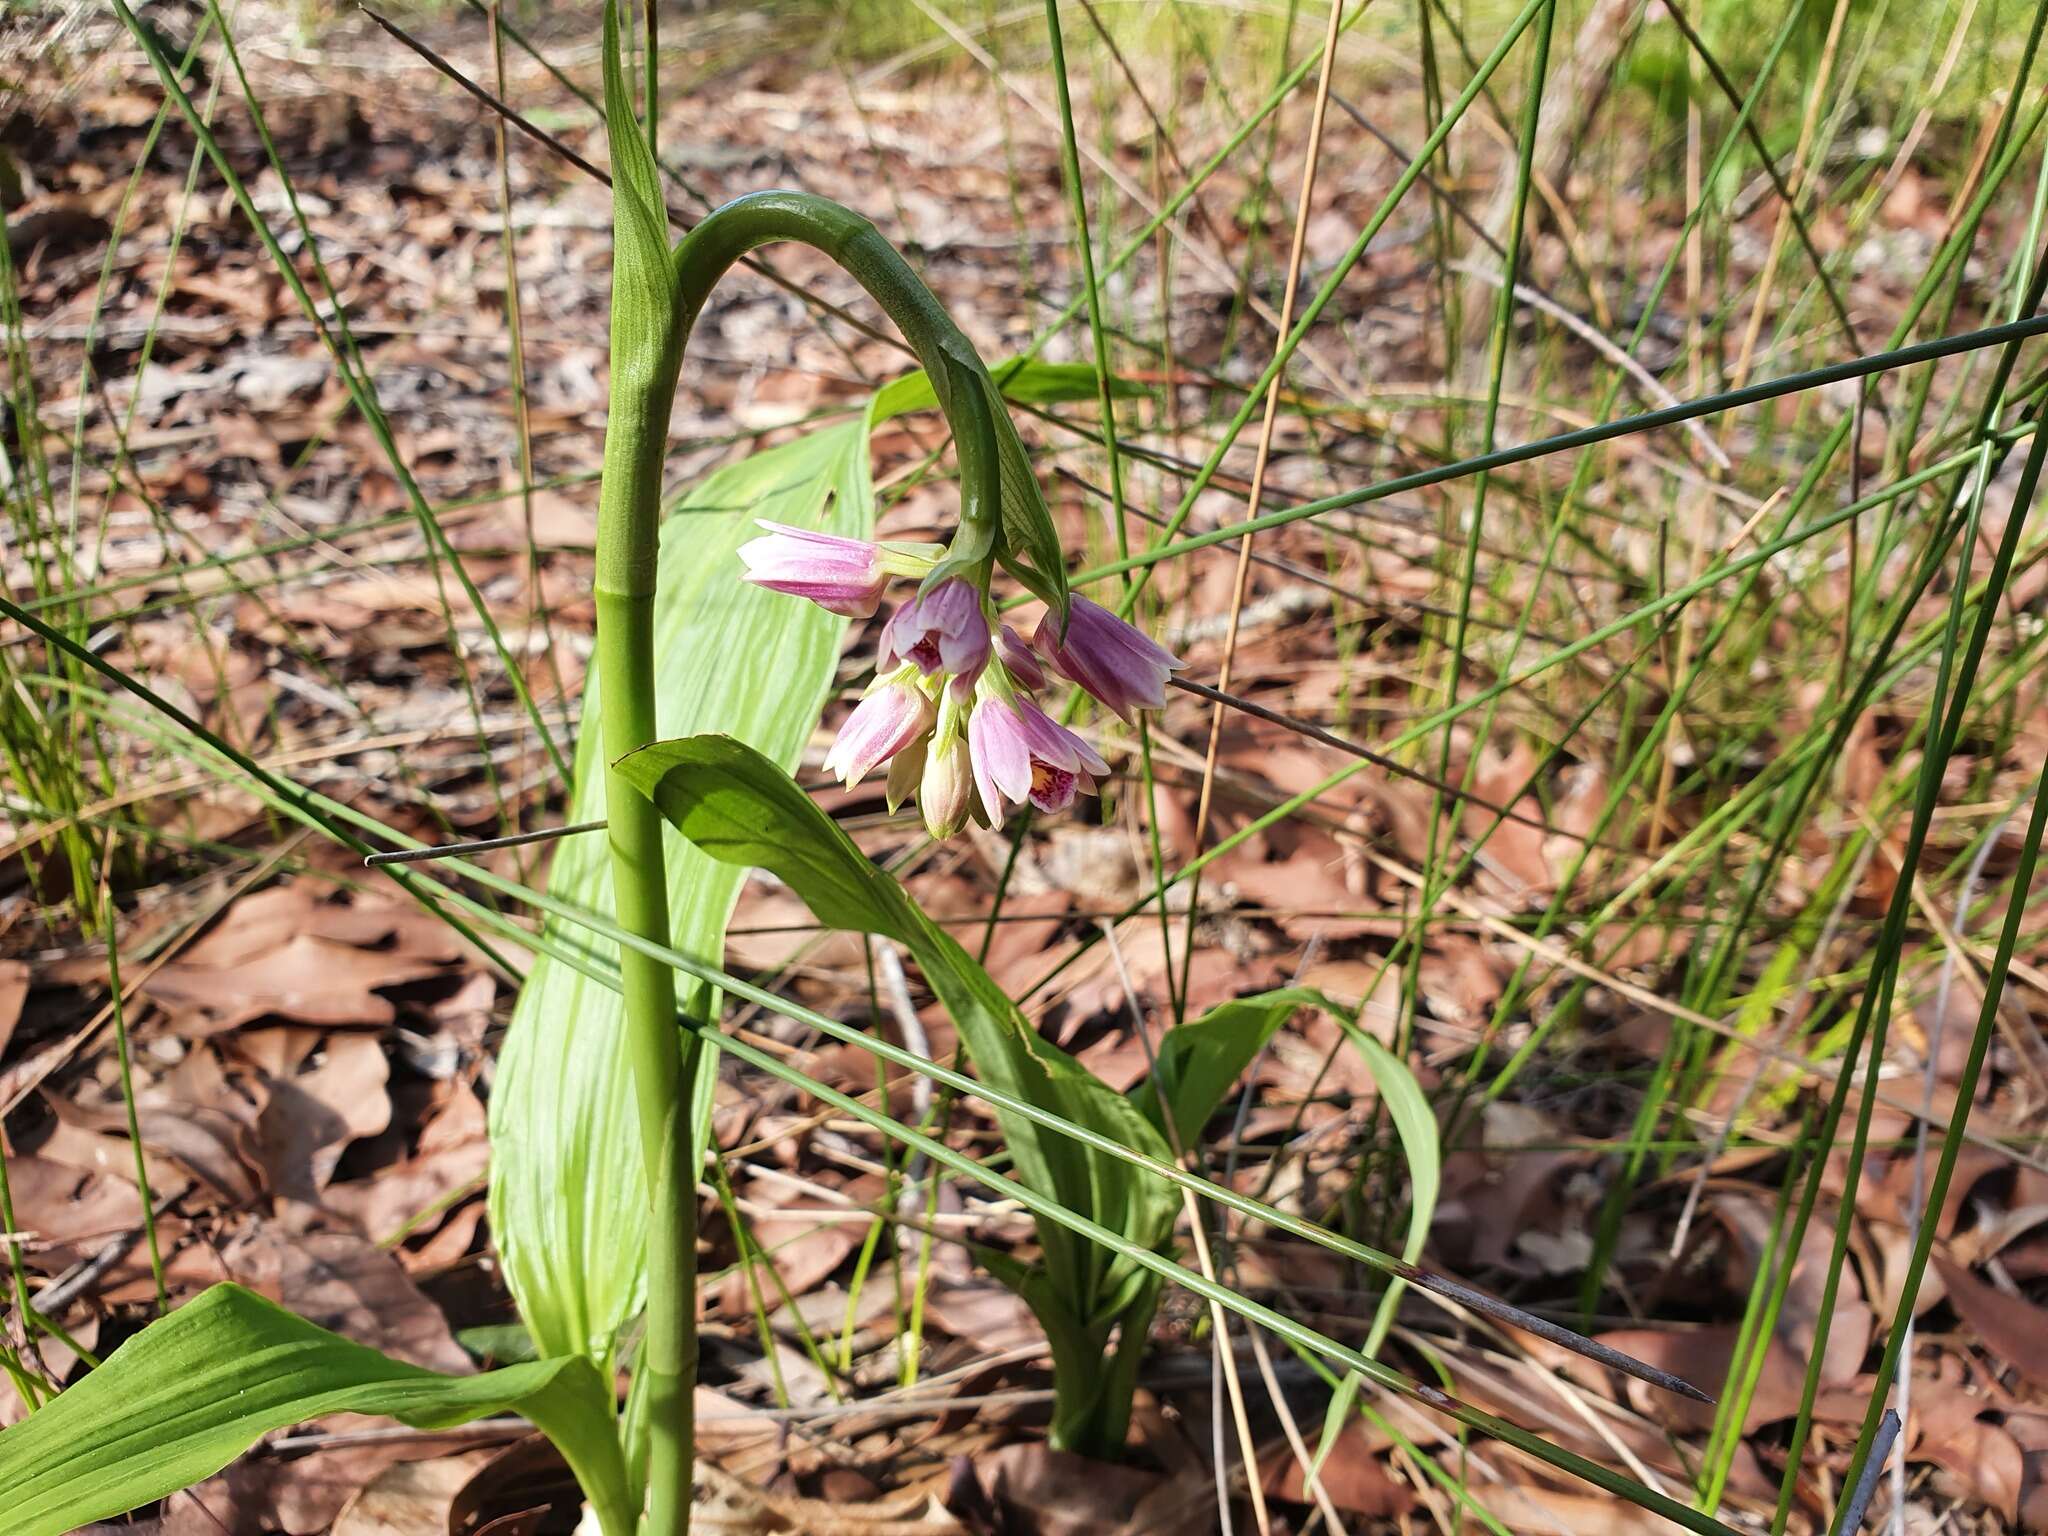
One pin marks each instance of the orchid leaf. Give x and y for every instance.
(568, 1197)
(1421, 1147)
(1200, 1060)
(1415, 1123)
(190, 1393)
(738, 806)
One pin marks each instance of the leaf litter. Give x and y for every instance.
(312, 1059)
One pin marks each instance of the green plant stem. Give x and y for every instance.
(662, 1077)
(664, 1068)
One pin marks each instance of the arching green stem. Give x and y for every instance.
(657, 294)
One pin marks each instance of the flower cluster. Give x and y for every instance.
(952, 710)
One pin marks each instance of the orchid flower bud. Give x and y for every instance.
(1116, 662)
(843, 575)
(895, 713)
(943, 630)
(1021, 753)
(946, 792)
(906, 769)
(1019, 660)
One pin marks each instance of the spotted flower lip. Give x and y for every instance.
(943, 630)
(842, 575)
(889, 719)
(1021, 754)
(1114, 661)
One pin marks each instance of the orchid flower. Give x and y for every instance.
(1114, 661)
(844, 576)
(943, 630)
(895, 713)
(1022, 754)
(1019, 660)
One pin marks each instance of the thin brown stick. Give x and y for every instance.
(480, 845)
(1309, 160)
(1198, 1234)
(1351, 748)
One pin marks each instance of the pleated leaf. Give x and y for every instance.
(568, 1194)
(190, 1393)
(1201, 1060)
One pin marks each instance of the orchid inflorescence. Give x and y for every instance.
(953, 708)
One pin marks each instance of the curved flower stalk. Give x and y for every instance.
(943, 635)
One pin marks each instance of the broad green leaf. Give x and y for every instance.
(190, 1393)
(1200, 1060)
(1415, 1123)
(742, 808)
(568, 1197)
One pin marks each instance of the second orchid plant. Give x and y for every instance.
(953, 710)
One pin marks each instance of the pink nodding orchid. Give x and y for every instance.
(892, 716)
(1116, 662)
(1021, 753)
(943, 630)
(843, 575)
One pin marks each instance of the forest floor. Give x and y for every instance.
(312, 1055)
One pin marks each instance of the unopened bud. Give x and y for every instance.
(946, 792)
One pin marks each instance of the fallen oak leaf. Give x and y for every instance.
(2012, 1329)
(310, 979)
(1355, 1475)
(411, 1196)
(1984, 1462)
(350, 1286)
(409, 1498)
(311, 1118)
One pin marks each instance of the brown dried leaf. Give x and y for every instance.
(311, 1118)
(410, 1498)
(452, 1153)
(13, 993)
(313, 980)
(2014, 1330)
(1983, 1461)
(351, 1287)
(1355, 1475)
(1044, 1492)
(1702, 1355)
